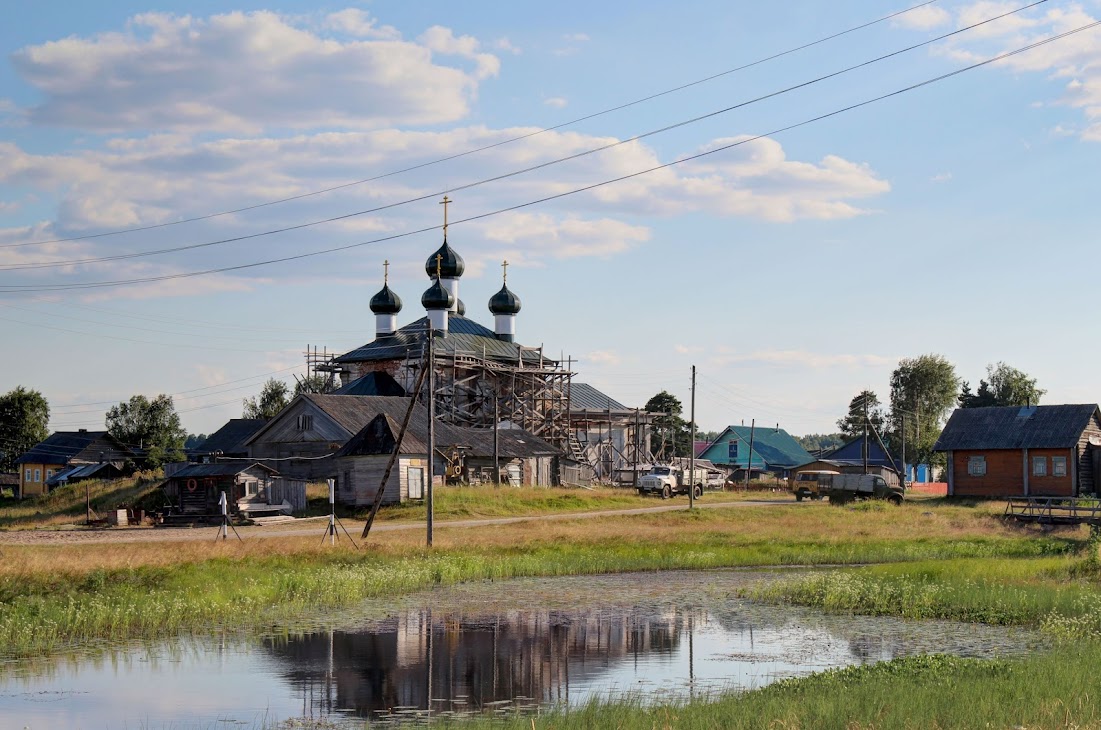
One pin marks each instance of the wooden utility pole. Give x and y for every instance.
(749, 461)
(638, 447)
(865, 450)
(497, 439)
(692, 447)
(431, 426)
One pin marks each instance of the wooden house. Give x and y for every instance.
(64, 449)
(301, 439)
(1023, 451)
(465, 454)
(250, 488)
(849, 459)
(773, 451)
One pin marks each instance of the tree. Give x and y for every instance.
(273, 398)
(819, 442)
(24, 418)
(194, 439)
(865, 402)
(1004, 385)
(152, 425)
(924, 390)
(671, 435)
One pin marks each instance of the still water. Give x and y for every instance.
(512, 646)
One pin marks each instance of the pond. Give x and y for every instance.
(512, 646)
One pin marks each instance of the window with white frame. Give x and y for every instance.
(27, 475)
(1058, 466)
(1039, 466)
(976, 466)
(38, 475)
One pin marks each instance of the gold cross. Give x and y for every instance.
(504, 271)
(385, 272)
(439, 265)
(446, 200)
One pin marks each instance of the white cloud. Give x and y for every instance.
(926, 17)
(941, 177)
(539, 235)
(246, 72)
(576, 37)
(505, 45)
(1072, 60)
(557, 102)
(601, 357)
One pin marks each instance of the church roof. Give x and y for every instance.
(464, 336)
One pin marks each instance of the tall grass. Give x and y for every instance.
(67, 504)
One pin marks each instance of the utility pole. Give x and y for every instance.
(749, 461)
(905, 469)
(865, 449)
(497, 439)
(638, 446)
(431, 426)
(692, 447)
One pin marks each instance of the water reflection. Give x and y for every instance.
(474, 648)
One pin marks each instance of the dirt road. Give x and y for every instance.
(316, 525)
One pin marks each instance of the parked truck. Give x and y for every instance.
(669, 480)
(842, 488)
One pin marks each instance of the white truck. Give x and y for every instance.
(668, 480)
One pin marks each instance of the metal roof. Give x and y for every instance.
(478, 442)
(464, 337)
(62, 446)
(231, 438)
(774, 446)
(1016, 427)
(584, 397)
(377, 383)
(219, 469)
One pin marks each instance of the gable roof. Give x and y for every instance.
(1016, 427)
(373, 383)
(378, 437)
(851, 452)
(464, 336)
(219, 469)
(774, 446)
(349, 412)
(584, 397)
(61, 447)
(231, 438)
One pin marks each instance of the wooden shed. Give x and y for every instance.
(195, 489)
(1021, 451)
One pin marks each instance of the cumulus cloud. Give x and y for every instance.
(1071, 61)
(941, 177)
(245, 72)
(557, 102)
(926, 17)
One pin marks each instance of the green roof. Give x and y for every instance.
(772, 448)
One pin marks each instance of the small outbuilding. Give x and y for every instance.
(250, 488)
(1023, 451)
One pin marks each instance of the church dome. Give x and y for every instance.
(504, 302)
(386, 301)
(452, 265)
(460, 308)
(437, 297)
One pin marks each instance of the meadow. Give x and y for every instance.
(927, 559)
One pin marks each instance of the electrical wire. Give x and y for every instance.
(514, 173)
(296, 257)
(456, 156)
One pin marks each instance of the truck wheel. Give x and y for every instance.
(799, 496)
(639, 492)
(895, 499)
(697, 491)
(666, 492)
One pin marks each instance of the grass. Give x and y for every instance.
(53, 596)
(66, 505)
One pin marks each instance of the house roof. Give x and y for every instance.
(512, 442)
(851, 452)
(231, 438)
(584, 397)
(775, 446)
(218, 469)
(1016, 427)
(82, 471)
(374, 383)
(62, 446)
(350, 412)
(464, 336)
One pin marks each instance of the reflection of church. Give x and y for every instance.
(467, 663)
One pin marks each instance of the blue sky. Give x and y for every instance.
(793, 270)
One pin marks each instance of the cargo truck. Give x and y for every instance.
(842, 488)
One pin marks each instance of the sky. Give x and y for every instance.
(793, 252)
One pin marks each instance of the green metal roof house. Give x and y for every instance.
(774, 450)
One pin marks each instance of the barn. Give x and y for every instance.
(1023, 451)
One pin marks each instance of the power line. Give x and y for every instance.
(513, 173)
(485, 147)
(556, 196)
